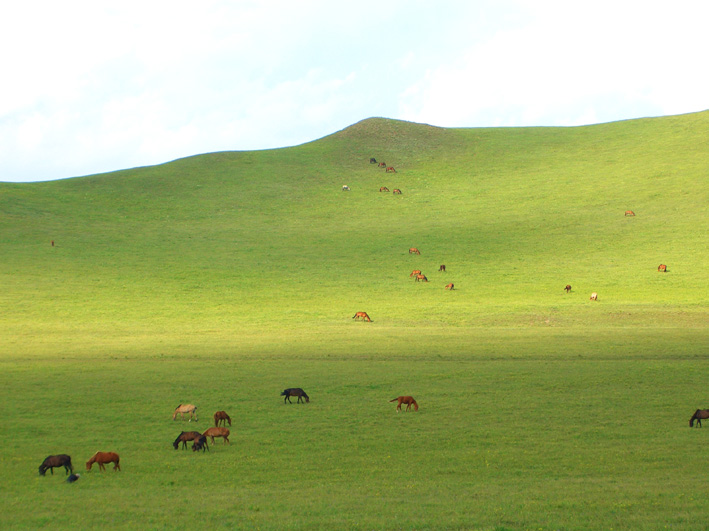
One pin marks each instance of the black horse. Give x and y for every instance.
(185, 436)
(200, 444)
(297, 391)
(55, 461)
(698, 416)
(371, 161)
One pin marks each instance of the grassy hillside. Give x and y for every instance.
(221, 279)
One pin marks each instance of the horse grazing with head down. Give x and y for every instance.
(390, 169)
(55, 461)
(200, 444)
(450, 286)
(383, 189)
(372, 160)
(361, 315)
(382, 165)
(568, 288)
(221, 416)
(698, 416)
(662, 268)
(218, 432)
(396, 191)
(184, 437)
(295, 391)
(629, 213)
(421, 278)
(408, 400)
(415, 272)
(185, 408)
(594, 296)
(102, 458)
(414, 250)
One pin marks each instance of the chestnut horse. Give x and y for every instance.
(186, 436)
(698, 416)
(421, 278)
(450, 286)
(382, 164)
(185, 408)
(390, 169)
(384, 189)
(396, 191)
(408, 400)
(218, 432)
(220, 416)
(102, 458)
(662, 267)
(442, 268)
(629, 213)
(55, 461)
(362, 315)
(295, 391)
(415, 272)
(414, 250)
(568, 288)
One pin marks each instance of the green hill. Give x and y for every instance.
(221, 279)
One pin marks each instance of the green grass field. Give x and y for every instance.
(222, 279)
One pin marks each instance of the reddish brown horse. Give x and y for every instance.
(384, 189)
(568, 288)
(361, 315)
(102, 458)
(629, 213)
(408, 400)
(415, 272)
(450, 286)
(662, 267)
(396, 191)
(382, 164)
(414, 250)
(390, 169)
(218, 432)
(220, 416)
(186, 436)
(442, 268)
(421, 278)
(55, 461)
(698, 416)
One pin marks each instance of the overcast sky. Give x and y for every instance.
(91, 86)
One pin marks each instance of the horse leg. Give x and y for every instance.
(117, 466)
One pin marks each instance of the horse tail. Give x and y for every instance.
(394, 400)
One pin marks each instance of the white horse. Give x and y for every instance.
(185, 408)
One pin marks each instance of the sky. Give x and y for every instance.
(91, 87)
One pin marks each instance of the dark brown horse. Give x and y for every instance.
(568, 288)
(55, 461)
(201, 444)
(396, 191)
(184, 437)
(218, 432)
(408, 400)
(363, 316)
(698, 416)
(662, 267)
(102, 458)
(372, 160)
(442, 268)
(220, 416)
(296, 391)
(383, 189)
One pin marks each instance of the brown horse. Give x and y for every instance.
(698, 416)
(372, 160)
(421, 278)
(396, 191)
(55, 461)
(102, 458)
(662, 267)
(408, 400)
(185, 408)
(390, 169)
(218, 432)
(414, 250)
(382, 165)
(415, 272)
(594, 296)
(450, 286)
(442, 268)
(200, 444)
(629, 213)
(361, 315)
(186, 436)
(384, 189)
(568, 288)
(295, 391)
(220, 416)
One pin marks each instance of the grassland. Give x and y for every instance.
(221, 279)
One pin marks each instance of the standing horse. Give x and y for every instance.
(296, 391)
(363, 316)
(662, 267)
(55, 461)
(220, 416)
(568, 288)
(408, 400)
(185, 408)
(218, 432)
(442, 267)
(414, 250)
(102, 458)
(698, 416)
(184, 437)
(450, 286)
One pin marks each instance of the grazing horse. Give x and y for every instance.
(662, 267)
(200, 444)
(382, 165)
(421, 278)
(415, 272)
(384, 189)
(296, 391)
(390, 169)
(220, 416)
(185, 408)
(568, 288)
(450, 286)
(102, 458)
(698, 416)
(594, 296)
(372, 160)
(218, 432)
(408, 400)
(629, 213)
(442, 268)
(55, 461)
(345, 188)
(186, 436)
(361, 315)
(396, 191)
(414, 250)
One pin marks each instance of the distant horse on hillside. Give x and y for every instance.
(363, 316)
(698, 416)
(102, 458)
(629, 213)
(442, 268)
(594, 296)
(372, 160)
(200, 444)
(383, 189)
(662, 267)
(185, 408)
(450, 286)
(396, 191)
(421, 278)
(414, 250)
(55, 461)
(382, 165)
(408, 400)
(415, 272)
(390, 169)
(221, 416)
(568, 288)
(295, 391)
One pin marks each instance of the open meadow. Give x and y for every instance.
(222, 279)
